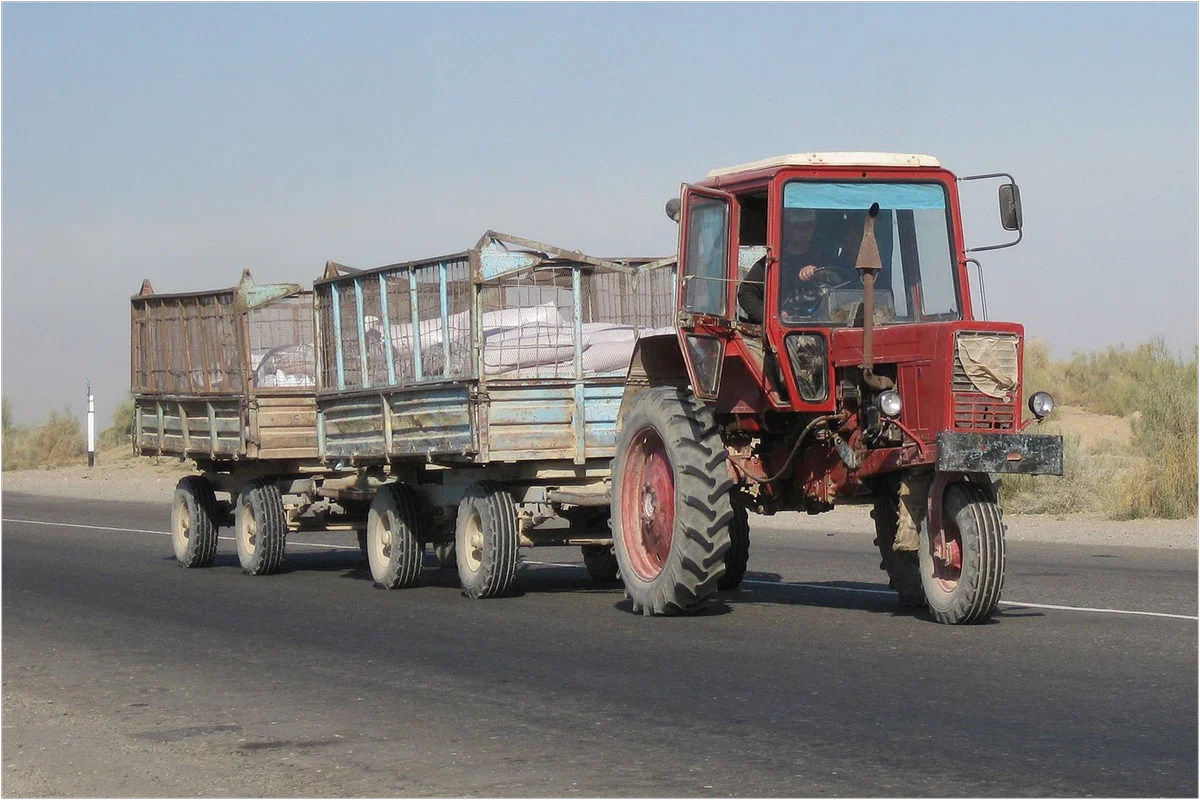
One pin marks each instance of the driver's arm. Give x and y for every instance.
(750, 293)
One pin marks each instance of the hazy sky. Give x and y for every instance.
(185, 142)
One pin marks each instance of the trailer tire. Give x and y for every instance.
(395, 550)
(601, 562)
(260, 527)
(903, 569)
(486, 540)
(738, 554)
(671, 508)
(194, 526)
(444, 551)
(974, 526)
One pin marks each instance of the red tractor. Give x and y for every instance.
(827, 353)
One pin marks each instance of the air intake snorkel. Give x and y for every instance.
(868, 265)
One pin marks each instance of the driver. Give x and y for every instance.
(801, 257)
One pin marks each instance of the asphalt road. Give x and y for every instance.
(125, 675)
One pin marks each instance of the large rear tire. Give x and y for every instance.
(963, 586)
(260, 527)
(486, 540)
(902, 567)
(671, 510)
(394, 546)
(194, 522)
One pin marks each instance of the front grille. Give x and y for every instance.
(974, 410)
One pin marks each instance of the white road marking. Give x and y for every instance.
(822, 587)
(1018, 604)
(158, 533)
(1013, 603)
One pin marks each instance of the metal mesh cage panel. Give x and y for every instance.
(186, 345)
(281, 343)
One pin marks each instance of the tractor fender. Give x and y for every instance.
(656, 361)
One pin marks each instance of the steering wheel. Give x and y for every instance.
(809, 294)
(825, 278)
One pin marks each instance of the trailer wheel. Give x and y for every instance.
(444, 551)
(260, 527)
(486, 538)
(601, 562)
(903, 569)
(738, 554)
(395, 549)
(194, 522)
(963, 584)
(671, 510)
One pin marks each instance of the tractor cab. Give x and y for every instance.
(773, 257)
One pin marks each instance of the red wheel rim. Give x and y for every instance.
(647, 504)
(948, 567)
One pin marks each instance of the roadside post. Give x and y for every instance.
(91, 423)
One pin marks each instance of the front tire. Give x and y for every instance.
(902, 567)
(963, 585)
(671, 510)
(194, 522)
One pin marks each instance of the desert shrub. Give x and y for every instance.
(56, 441)
(121, 430)
(1089, 484)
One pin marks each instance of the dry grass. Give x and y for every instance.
(56, 441)
(120, 433)
(1154, 473)
(59, 439)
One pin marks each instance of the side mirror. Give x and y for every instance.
(674, 206)
(1010, 207)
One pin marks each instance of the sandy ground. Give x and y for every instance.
(120, 476)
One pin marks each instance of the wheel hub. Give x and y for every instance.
(948, 556)
(648, 505)
(249, 530)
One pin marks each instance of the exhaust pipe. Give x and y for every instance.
(868, 265)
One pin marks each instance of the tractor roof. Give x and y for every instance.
(832, 160)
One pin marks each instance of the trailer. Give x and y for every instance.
(226, 378)
(467, 401)
(476, 394)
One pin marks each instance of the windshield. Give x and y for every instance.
(824, 230)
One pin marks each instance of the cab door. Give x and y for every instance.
(707, 285)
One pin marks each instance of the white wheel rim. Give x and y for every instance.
(181, 527)
(473, 541)
(379, 546)
(248, 530)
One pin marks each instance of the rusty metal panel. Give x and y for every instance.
(286, 426)
(432, 422)
(176, 427)
(353, 426)
(531, 423)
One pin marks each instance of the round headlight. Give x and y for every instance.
(1041, 404)
(889, 403)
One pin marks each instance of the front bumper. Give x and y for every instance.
(1000, 453)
